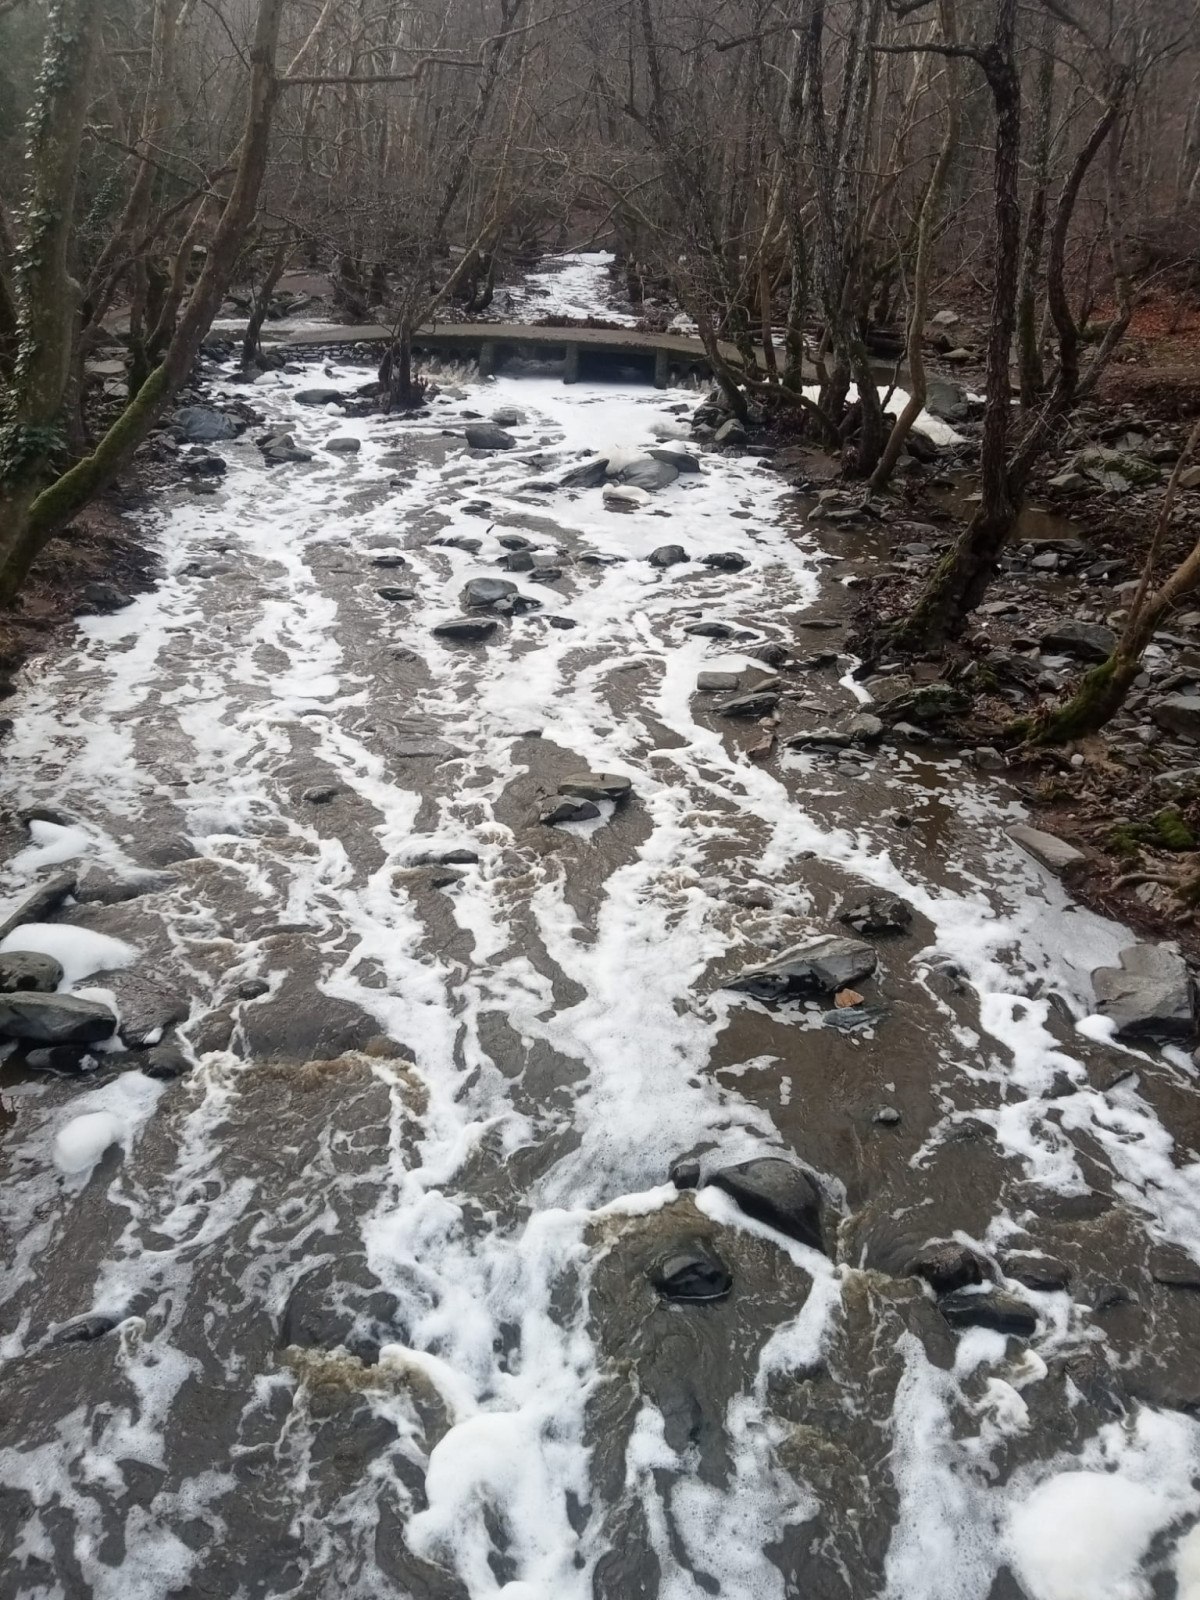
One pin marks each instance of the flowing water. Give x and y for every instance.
(377, 1268)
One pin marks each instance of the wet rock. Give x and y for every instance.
(1087, 641)
(692, 1271)
(278, 449)
(394, 593)
(887, 1117)
(459, 858)
(147, 1006)
(993, 1308)
(103, 598)
(777, 1192)
(685, 1173)
(567, 808)
(519, 561)
(319, 397)
(708, 630)
(946, 400)
(486, 436)
(27, 969)
(668, 555)
(204, 425)
(297, 1023)
(820, 739)
(55, 815)
(60, 1058)
(648, 472)
(341, 1304)
(679, 459)
(771, 654)
(422, 749)
(731, 432)
(1150, 995)
(80, 1330)
(712, 682)
(39, 903)
(865, 728)
(946, 1266)
(507, 417)
(466, 630)
(484, 592)
(1044, 1274)
(54, 1019)
(166, 1062)
(759, 704)
(928, 705)
(877, 913)
(588, 475)
(1178, 713)
(389, 560)
(596, 786)
(853, 1018)
(321, 794)
(820, 966)
(101, 886)
(344, 445)
(725, 561)
(1068, 483)
(1052, 852)
(253, 988)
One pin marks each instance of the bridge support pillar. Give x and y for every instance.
(571, 364)
(487, 358)
(662, 369)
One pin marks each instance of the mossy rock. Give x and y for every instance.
(1172, 831)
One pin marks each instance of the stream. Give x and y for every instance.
(373, 1290)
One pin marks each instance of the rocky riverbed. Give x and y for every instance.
(516, 1087)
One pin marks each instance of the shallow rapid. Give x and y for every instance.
(378, 1271)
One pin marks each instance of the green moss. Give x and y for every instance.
(1172, 831)
(1127, 838)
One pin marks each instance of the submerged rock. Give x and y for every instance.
(668, 555)
(1150, 995)
(725, 561)
(54, 1018)
(709, 630)
(993, 1308)
(878, 913)
(30, 970)
(1043, 1274)
(466, 630)
(691, 1272)
(821, 966)
(777, 1192)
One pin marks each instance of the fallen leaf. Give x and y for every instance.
(845, 998)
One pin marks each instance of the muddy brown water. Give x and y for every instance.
(377, 1269)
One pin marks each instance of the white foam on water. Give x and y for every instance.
(79, 951)
(636, 1030)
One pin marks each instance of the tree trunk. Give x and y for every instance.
(260, 304)
(960, 580)
(47, 297)
(1028, 343)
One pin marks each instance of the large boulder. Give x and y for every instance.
(777, 1192)
(648, 472)
(486, 592)
(877, 913)
(1178, 713)
(1150, 995)
(1115, 470)
(668, 555)
(205, 425)
(820, 966)
(946, 400)
(319, 397)
(54, 1018)
(486, 436)
(587, 475)
(1088, 641)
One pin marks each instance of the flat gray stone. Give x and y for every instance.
(596, 786)
(466, 630)
(1046, 848)
(1150, 995)
(1178, 713)
(760, 704)
(567, 808)
(345, 445)
(1087, 641)
(483, 592)
(712, 682)
(819, 966)
(40, 902)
